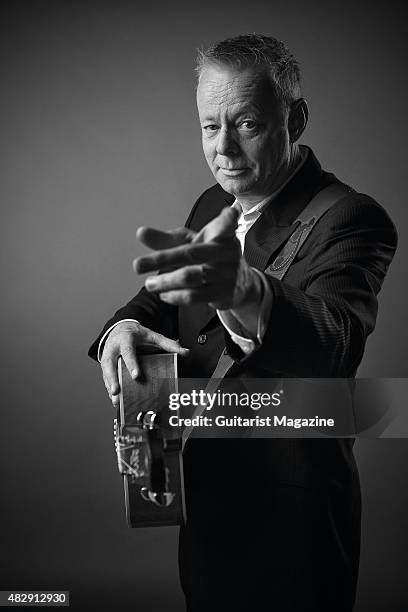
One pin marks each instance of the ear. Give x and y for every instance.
(297, 120)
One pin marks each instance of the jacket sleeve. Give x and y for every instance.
(147, 308)
(321, 328)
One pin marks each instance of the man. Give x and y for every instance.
(272, 524)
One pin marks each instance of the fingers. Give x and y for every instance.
(184, 255)
(157, 240)
(110, 377)
(196, 296)
(179, 288)
(130, 358)
(188, 277)
(167, 344)
(221, 227)
(178, 255)
(182, 247)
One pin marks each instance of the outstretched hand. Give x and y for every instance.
(205, 266)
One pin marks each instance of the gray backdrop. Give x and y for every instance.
(100, 135)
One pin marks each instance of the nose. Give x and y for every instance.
(226, 145)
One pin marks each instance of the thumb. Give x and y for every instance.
(223, 226)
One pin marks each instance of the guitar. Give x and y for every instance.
(149, 454)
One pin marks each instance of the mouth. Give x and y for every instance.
(233, 171)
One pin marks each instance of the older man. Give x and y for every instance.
(272, 524)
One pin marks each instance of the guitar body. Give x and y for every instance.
(149, 454)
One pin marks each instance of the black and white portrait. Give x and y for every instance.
(225, 183)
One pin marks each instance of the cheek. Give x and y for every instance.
(258, 155)
(209, 150)
(267, 154)
(257, 148)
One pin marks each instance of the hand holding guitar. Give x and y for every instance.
(123, 341)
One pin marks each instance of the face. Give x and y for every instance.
(244, 131)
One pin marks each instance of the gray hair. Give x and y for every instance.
(257, 50)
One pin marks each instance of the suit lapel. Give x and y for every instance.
(268, 235)
(259, 251)
(273, 228)
(263, 238)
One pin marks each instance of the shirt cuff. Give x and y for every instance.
(108, 331)
(247, 333)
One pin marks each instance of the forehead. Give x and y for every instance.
(223, 87)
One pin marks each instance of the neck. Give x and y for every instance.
(248, 201)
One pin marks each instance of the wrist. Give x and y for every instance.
(125, 325)
(109, 331)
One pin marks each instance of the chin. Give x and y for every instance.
(235, 186)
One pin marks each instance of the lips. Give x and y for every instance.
(233, 171)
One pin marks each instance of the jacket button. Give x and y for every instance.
(202, 339)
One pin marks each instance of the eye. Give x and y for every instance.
(212, 127)
(249, 125)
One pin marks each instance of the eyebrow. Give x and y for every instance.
(247, 109)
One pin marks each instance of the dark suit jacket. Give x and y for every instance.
(280, 518)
